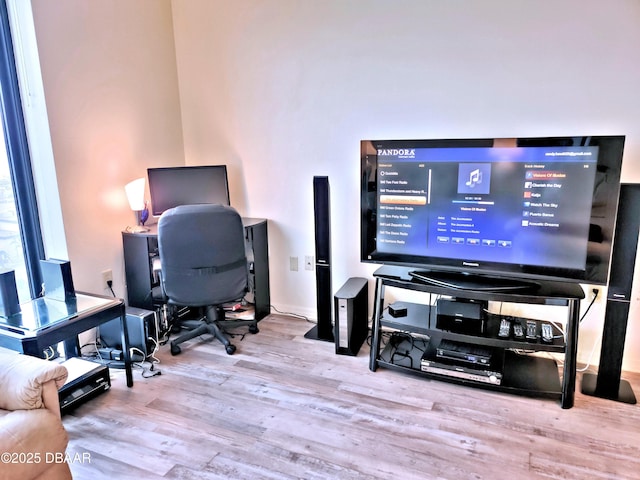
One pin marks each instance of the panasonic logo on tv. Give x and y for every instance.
(470, 264)
(397, 152)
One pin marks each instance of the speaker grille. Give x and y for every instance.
(625, 243)
(322, 218)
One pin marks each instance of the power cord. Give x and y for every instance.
(289, 314)
(595, 292)
(402, 344)
(50, 353)
(110, 286)
(147, 372)
(598, 338)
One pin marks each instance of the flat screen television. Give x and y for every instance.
(494, 212)
(173, 186)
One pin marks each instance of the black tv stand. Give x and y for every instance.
(515, 365)
(468, 281)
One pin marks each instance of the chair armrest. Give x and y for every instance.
(51, 397)
(23, 379)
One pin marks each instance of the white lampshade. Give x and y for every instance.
(135, 194)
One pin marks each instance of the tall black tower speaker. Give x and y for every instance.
(607, 383)
(322, 223)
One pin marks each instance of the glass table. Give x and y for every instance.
(43, 322)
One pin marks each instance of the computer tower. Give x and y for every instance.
(257, 251)
(143, 334)
(351, 305)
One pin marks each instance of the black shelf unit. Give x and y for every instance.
(522, 373)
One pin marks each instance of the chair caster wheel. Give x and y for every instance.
(253, 329)
(230, 349)
(175, 349)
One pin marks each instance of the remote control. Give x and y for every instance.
(531, 330)
(547, 333)
(505, 328)
(518, 331)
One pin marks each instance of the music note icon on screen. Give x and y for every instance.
(475, 177)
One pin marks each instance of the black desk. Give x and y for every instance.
(43, 322)
(140, 249)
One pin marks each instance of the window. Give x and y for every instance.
(11, 251)
(21, 246)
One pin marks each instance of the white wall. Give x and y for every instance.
(283, 90)
(110, 83)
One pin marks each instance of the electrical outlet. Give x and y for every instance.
(308, 262)
(107, 276)
(293, 264)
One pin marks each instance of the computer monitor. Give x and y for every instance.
(173, 186)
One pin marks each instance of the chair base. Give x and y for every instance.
(212, 326)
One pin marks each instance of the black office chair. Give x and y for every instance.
(203, 265)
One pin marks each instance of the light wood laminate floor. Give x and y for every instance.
(285, 407)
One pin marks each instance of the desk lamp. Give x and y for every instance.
(135, 195)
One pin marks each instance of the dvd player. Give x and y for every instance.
(461, 372)
(465, 352)
(431, 363)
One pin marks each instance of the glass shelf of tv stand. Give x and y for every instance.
(525, 375)
(421, 319)
(522, 374)
(546, 293)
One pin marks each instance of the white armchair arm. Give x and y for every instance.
(28, 382)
